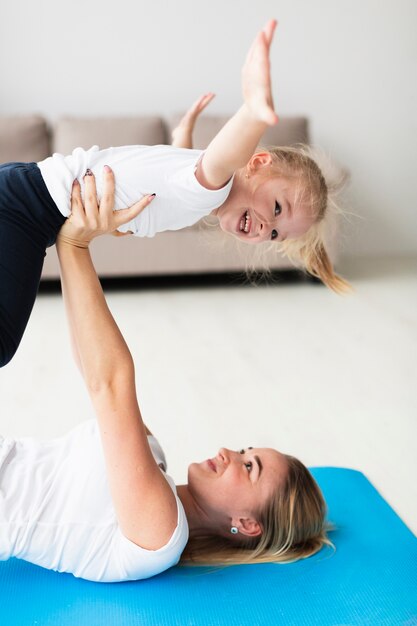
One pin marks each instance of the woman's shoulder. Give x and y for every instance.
(139, 563)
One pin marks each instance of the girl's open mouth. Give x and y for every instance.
(245, 223)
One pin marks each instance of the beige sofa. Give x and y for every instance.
(200, 249)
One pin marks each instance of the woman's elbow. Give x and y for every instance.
(110, 381)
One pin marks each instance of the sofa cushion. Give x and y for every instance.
(70, 133)
(288, 131)
(23, 138)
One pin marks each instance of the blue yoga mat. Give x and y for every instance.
(371, 579)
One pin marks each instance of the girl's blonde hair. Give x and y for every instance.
(293, 527)
(309, 250)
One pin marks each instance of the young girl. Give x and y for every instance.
(98, 503)
(263, 196)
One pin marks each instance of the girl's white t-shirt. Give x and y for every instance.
(139, 170)
(56, 510)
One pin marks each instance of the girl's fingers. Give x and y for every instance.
(269, 30)
(196, 108)
(204, 101)
(125, 215)
(262, 41)
(90, 194)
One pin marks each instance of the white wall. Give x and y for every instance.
(349, 65)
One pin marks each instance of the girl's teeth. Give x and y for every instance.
(244, 223)
(247, 222)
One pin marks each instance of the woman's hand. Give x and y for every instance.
(183, 133)
(95, 219)
(256, 77)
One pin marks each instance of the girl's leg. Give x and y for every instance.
(29, 223)
(20, 270)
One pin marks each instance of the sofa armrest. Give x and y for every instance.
(24, 138)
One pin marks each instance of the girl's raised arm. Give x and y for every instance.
(108, 371)
(234, 145)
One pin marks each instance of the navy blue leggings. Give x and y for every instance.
(29, 223)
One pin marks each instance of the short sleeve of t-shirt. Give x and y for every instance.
(134, 562)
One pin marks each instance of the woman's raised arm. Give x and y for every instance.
(139, 491)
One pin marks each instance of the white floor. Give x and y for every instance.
(329, 379)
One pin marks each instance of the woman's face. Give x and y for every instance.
(235, 485)
(261, 208)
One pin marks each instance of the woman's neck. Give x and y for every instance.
(198, 520)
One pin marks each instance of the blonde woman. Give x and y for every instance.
(257, 196)
(98, 502)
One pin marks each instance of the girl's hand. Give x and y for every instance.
(256, 77)
(182, 134)
(94, 219)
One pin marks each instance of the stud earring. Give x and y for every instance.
(234, 530)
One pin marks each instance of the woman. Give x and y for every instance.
(98, 503)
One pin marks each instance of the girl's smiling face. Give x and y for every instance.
(263, 207)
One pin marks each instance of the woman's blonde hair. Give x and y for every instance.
(308, 251)
(293, 527)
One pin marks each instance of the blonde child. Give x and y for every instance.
(263, 196)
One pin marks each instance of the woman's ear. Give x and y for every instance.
(248, 527)
(258, 161)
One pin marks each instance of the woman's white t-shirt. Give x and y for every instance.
(56, 510)
(139, 170)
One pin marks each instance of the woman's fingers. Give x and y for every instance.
(76, 200)
(107, 196)
(91, 218)
(106, 212)
(125, 215)
(74, 231)
(90, 195)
